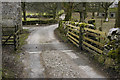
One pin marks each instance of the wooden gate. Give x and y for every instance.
(10, 36)
(85, 38)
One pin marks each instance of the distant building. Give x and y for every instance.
(111, 14)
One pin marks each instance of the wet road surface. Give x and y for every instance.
(47, 57)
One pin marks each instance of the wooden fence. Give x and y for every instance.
(10, 36)
(84, 37)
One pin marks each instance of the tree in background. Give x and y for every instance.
(23, 4)
(118, 16)
(51, 8)
(81, 9)
(93, 7)
(84, 11)
(68, 8)
(105, 6)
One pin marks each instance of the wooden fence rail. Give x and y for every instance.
(10, 36)
(84, 37)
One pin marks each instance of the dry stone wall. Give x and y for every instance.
(11, 14)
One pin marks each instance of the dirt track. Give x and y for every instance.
(47, 57)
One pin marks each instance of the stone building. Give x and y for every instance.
(111, 14)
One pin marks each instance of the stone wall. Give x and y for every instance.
(11, 14)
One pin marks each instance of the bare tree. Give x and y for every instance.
(81, 9)
(24, 10)
(51, 8)
(68, 8)
(93, 7)
(105, 6)
(72, 6)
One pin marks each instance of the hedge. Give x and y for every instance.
(52, 21)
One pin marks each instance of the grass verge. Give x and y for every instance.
(23, 36)
(12, 66)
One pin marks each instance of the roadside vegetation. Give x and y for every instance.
(23, 36)
(45, 18)
(12, 66)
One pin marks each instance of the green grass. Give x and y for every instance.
(23, 37)
(105, 25)
(113, 9)
(61, 35)
(60, 12)
(30, 19)
(31, 13)
(34, 19)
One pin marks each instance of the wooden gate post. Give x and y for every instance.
(80, 37)
(18, 35)
(15, 38)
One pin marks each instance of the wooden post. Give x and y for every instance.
(101, 24)
(80, 37)
(15, 39)
(118, 16)
(17, 36)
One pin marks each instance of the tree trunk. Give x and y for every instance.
(24, 10)
(81, 17)
(106, 15)
(84, 14)
(93, 15)
(118, 16)
(68, 16)
(54, 14)
(69, 12)
(97, 13)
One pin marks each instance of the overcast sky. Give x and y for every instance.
(58, 0)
